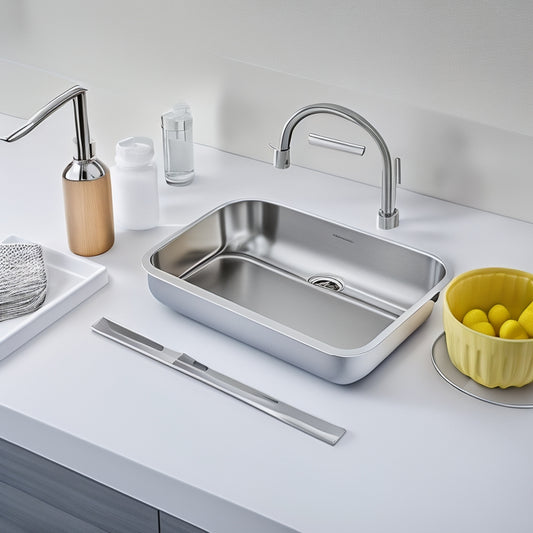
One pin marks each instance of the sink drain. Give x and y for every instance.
(327, 282)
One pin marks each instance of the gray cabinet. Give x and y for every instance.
(40, 490)
(39, 496)
(20, 512)
(171, 524)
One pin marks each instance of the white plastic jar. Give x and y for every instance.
(134, 182)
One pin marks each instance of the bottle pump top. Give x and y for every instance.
(84, 150)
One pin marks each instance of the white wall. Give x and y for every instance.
(448, 84)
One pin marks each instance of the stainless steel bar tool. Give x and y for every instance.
(182, 362)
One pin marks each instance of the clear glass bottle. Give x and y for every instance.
(177, 145)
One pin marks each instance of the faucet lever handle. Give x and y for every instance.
(336, 144)
(398, 170)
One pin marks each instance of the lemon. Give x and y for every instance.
(511, 329)
(498, 314)
(526, 319)
(484, 327)
(474, 316)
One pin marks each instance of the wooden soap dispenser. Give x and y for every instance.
(86, 181)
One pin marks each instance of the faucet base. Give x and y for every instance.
(388, 221)
(282, 158)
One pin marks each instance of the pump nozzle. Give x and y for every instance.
(77, 94)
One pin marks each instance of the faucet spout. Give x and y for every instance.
(388, 216)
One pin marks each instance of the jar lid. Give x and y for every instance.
(177, 118)
(134, 151)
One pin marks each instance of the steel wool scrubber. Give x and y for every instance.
(22, 279)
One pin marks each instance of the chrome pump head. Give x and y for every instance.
(84, 149)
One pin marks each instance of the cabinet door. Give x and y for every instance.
(22, 513)
(69, 495)
(171, 524)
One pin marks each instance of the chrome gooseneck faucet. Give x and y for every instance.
(388, 216)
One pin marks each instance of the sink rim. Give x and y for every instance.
(279, 327)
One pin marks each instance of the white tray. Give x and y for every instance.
(71, 280)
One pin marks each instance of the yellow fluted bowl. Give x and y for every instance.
(491, 361)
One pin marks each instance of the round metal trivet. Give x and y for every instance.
(517, 397)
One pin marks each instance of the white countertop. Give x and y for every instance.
(418, 454)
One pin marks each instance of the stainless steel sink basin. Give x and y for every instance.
(327, 298)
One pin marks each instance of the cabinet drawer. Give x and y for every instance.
(73, 494)
(22, 513)
(171, 524)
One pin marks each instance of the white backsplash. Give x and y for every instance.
(448, 85)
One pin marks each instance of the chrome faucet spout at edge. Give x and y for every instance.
(388, 216)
